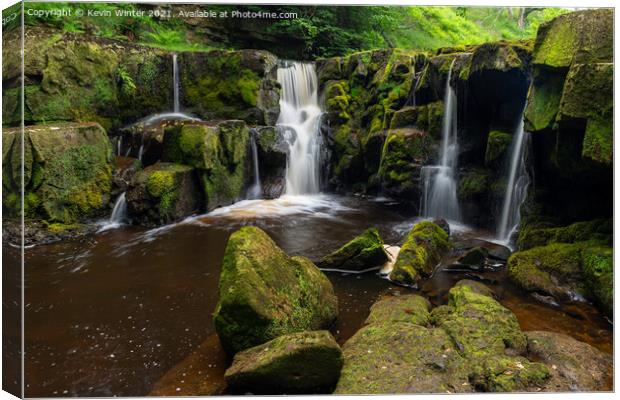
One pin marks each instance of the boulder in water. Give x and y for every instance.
(362, 253)
(423, 248)
(164, 193)
(67, 171)
(471, 344)
(443, 224)
(574, 365)
(264, 293)
(473, 258)
(296, 363)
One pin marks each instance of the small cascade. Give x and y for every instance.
(256, 190)
(119, 145)
(439, 198)
(175, 80)
(300, 116)
(119, 212)
(411, 100)
(516, 188)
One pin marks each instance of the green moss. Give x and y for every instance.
(473, 183)
(422, 250)
(497, 146)
(598, 272)
(361, 253)
(544, 101)
(599, 229)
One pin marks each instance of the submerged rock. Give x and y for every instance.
(264, 293)
(67, 171)
(574, 365)
(164, 193)
(297, 363)
(364, 252)
(471, 344)
(473, 258)
(422, 251)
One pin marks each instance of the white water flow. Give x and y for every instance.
(256, 190)
(439, 185)
(119, 145)
(119, 212)
(516, 188)
(300, 116)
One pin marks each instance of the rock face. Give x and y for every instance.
(364, 252)
(470, 344)
(297, 363)
(570, 108)
(272, 154)
(566, 270)
(574, 365)
(264, 293)
(422, 251)
(73, 77)
(163, 193)
(219, 154)
(67, 171)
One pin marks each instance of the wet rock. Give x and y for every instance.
(476, 287)
(599, 229)
(474, 258)
(124, 171)
(362, 253)
(494, 250)
(272, 155)
(443, 224)
(297, 363)
(598, 273)
(67, 171)
(164, 193)
(421, 252)
(218, 151)
(470, 344)
(574, 365)
(264, 293)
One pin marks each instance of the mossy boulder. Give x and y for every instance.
(67, 171)
(218, 151)
(264, 293)
(362, 253)
(297, 363)
(231, 85)
(470, 344)
(498, 143)
(600, 230)
(574, 365)
(424, 246)
(164, 193)
(566, 270)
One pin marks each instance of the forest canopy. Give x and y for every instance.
(315, 31)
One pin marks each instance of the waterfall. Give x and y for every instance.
(119, 145)
(516, 187)
(119, 212)
(300, 116)
(175, 79)
(411, 100)
(439, 185)
(256, 190)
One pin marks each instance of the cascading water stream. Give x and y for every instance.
(439, 198)
(516, 188)
(300, 116)
(119, 212)
(256, 190)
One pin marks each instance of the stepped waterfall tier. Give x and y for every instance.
(300, 116)
(256, 190)
(439, 184)
(516, 186)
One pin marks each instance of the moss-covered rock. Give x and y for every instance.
(423, 248)
(497, 147)
(164, 193)
(474, 184)
(67, 171)
(297, 363)
(598, 272)
(264, 293)
(600, 230)
(574, 365)
(362, 253)
(218, 152)
(231, 85)
(473, 344)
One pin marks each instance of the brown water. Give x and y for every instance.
(113, 313)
